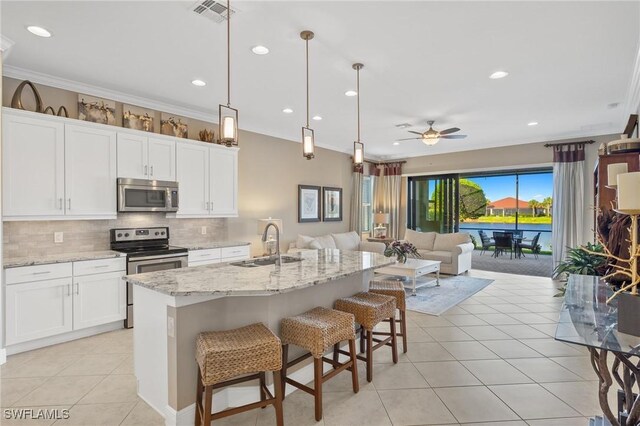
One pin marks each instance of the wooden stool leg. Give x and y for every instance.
(263, 384)
(336, 355)
(199, 389)
(279, 395)
(369, 356)
(362, 347)
(317, 383)
(403, 329)
(208, 395)
(283, 372)
(354, 365)
(394, 344)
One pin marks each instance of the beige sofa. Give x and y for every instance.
(453, 250)
(344, 241)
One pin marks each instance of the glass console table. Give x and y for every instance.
(587, 320)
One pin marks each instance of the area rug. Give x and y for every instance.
(434, 300)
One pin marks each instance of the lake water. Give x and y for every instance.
(530, 230)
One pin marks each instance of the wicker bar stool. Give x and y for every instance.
(395, 289)
(222, 356)
(369, 310)
(316, 331)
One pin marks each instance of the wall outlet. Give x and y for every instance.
(203, 230)
(58, 237)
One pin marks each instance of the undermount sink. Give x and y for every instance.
(265, 261)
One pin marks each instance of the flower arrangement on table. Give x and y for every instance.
(401, 250)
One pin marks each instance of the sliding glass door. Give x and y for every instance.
(434, 203)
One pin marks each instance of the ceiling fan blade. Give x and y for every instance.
(415, 133)
(408, 139)
(453, 137)
(451, 130)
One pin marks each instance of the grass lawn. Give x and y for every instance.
(511, 219)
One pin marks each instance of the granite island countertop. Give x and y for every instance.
(15, 262)
(225, 279)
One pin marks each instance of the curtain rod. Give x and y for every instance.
(589, 142)
(386, 162)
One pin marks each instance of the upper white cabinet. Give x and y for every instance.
(90, 171)
(32, 166)
(142, 157)
(208, 179)
(53, 170)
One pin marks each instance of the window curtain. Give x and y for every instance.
(568, 199)
(355, 219)
(387, 196)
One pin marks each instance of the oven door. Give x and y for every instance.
(147, 198)
(142, 264)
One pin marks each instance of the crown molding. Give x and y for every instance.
(101, 92)
(5, 45)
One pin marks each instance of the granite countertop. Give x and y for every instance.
(214, 244)
(316, 267)
(14, 262)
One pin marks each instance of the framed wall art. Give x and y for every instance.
(308, 203)
(331, 204)
(96, 110)
(173, 125)
(137, 118)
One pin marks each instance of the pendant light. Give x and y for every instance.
(227, 116)
(308, 140)
(358, 146)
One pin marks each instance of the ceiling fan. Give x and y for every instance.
(431, 136)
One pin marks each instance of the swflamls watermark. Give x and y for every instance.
(35, 414)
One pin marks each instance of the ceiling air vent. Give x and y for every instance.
(214, 10)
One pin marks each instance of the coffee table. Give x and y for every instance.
(413, 269)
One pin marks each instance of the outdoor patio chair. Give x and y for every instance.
(486, 242)
(533, 246)
(503, 243)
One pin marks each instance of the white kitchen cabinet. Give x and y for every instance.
(90, 171)
(33, 166)
(223, 187)
(208, 179)
(193, 178)
(217, 255)
(98, 299)
(142, 157)
(38, 309)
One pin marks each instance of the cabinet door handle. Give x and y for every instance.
(69, 201)
(42, 273)
(60, 203)
(77, 288)
(102, 266)
(68, 289)
(151, 170)
(146, 169)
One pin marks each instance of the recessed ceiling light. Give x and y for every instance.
(350, 93)
(403, 125)
(39, 31)
(498, 74)
(198, 83)
(287, 110)
(396, 143)
(260, 50)
(317, 117)
(613, 105)
(532, 123)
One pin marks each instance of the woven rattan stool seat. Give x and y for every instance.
(390, 288)
(368, 308)
(318, 329)
(222, 355)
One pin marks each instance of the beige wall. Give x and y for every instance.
(516, 157)
(270, 170)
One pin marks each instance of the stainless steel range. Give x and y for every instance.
(147, 250)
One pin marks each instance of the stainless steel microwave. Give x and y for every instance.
(141, 195)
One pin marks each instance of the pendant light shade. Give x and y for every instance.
(227, 116)
(358, 146)
(308, 139)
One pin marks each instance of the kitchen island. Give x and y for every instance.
(173, 306)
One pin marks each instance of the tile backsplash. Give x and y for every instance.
(34, 238)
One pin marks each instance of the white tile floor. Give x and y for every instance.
(490, 360)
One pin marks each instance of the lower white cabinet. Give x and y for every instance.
(40, 302)
(217, 255)
(98, 299)
(38, 309)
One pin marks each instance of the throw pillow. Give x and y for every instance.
(347, 240)
(447, 242)
(303, 241)
(422, 240)
(325, 241)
